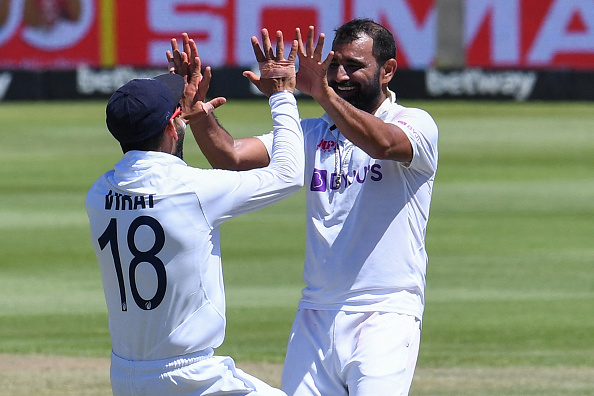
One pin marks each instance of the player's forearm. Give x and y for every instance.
(214, 141)
(287, 157)
(223, 151)
(378, 139)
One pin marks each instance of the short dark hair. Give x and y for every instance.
(151, 143)
(384, 45)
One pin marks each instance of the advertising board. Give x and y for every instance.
(61, 34)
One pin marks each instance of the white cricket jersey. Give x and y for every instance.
(155, 230)
(365, 247)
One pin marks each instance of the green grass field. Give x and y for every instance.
(510, 284)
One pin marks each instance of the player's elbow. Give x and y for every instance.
(236, 162)
(292, 175)
(296, 185)
(402, 152)
(247, 154)
(295, 177)
(379, 153)
(380, 150)
(298, 182)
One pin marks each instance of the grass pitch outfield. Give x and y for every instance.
(510, 285)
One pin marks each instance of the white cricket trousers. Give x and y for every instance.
(340, 353)
(196, 374)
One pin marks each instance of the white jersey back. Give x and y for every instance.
(155, 230)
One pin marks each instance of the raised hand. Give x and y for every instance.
(276, 72)
(177, 61)
(188, 64)
(311, 78)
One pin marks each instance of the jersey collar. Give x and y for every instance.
(385, 106)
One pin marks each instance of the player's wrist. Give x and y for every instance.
(282, 97)
(284, 92)
(289, 91)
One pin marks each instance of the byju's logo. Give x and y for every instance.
(320, 179)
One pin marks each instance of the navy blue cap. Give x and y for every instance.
(142, 107)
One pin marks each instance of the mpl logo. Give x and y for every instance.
(328, 146)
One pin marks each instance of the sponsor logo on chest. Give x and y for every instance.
(323, 180)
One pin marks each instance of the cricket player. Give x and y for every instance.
(155, 228)
(370, 166)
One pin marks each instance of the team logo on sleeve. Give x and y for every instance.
(416, 134)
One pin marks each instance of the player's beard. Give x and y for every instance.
(364, 97)
(179, 145)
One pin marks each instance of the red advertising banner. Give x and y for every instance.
(64, 34)
(49, 33)
(530, 34)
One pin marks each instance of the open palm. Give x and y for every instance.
(311, 77)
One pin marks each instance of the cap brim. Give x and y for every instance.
(174, 82)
